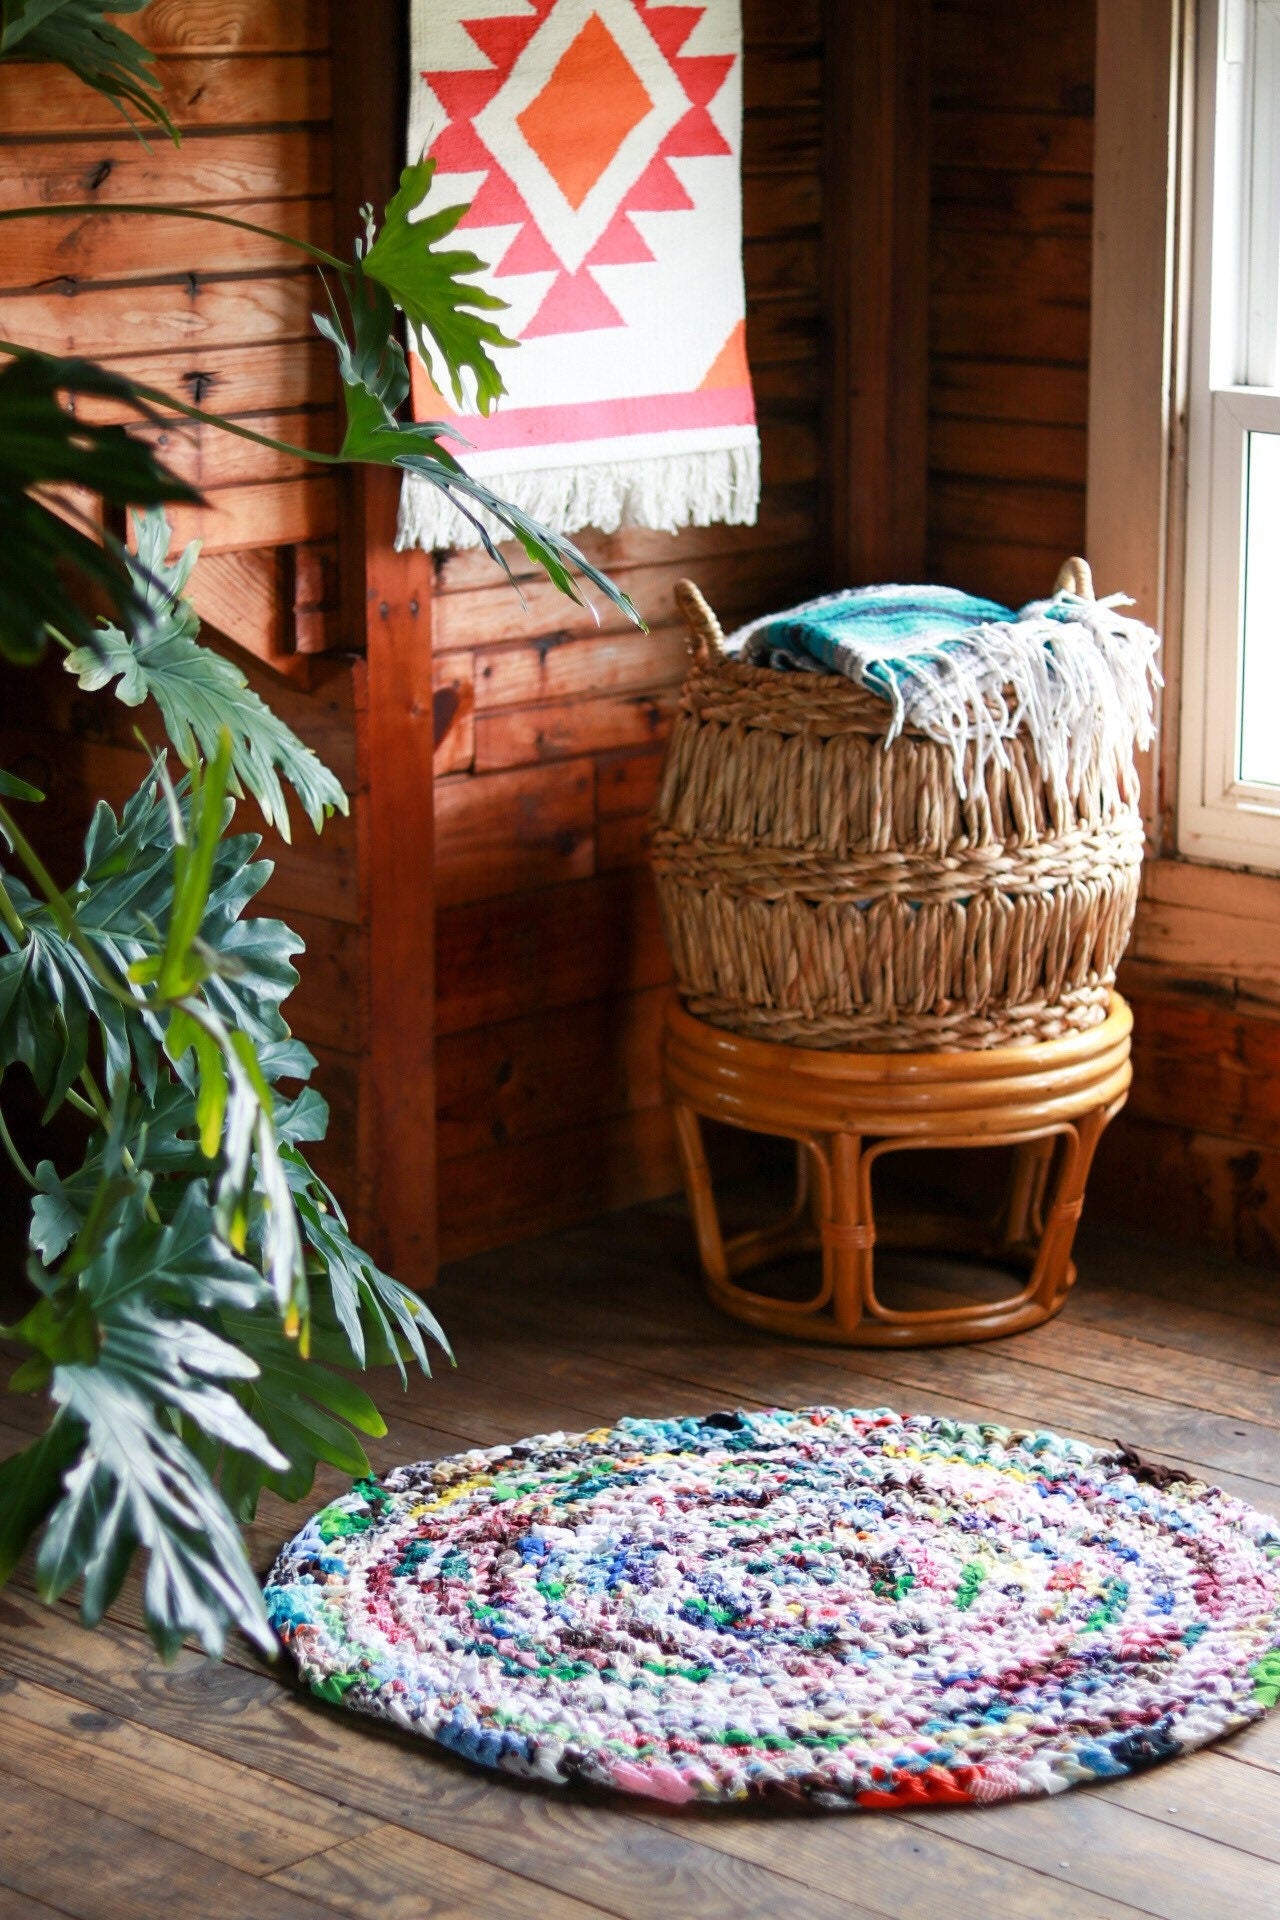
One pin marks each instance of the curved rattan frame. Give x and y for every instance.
(845, 1111)
(821, 889)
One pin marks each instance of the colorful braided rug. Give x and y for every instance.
(851, 1607)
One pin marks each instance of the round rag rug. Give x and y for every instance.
(853, 1607)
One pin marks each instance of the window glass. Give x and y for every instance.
(1260, 690)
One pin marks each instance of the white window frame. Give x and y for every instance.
(1233, 391)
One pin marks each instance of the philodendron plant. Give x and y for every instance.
(197, 1301)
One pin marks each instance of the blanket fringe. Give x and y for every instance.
(1077, 674)
(666, 492)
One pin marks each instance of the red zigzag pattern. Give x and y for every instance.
(575, 302)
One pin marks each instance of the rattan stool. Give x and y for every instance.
(1049, 1102)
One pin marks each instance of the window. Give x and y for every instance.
(1229, 807)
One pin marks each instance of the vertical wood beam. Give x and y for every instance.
(876, 286)
(1137, 338)
(385, 613)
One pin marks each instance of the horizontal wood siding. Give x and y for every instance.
(1011, 134)
(207, 313)
(550, 729)
(219, 318)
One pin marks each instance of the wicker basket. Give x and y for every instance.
(821, 889)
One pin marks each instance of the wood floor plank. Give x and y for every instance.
(1101, 1847)
(16, 1905)
(1175, 1327)
(1258, 1746)
(404, 1876)
(999, 1387)
(593, 1850)
(904, 1867)
(1192, 1276)
(95, 1866)
(1076, 1351)
(166, 1786)
(21, 1906)
(1205, 1794)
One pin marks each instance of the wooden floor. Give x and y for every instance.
(130, 1789)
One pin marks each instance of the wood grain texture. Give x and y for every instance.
(72, 249)
(1011, 201)
(208, 167)
(547, 1072)
(511, 832)
(558, 946)
(234, 26)
(188, 1787)
(161, 317)
(242, 595)
(224, 91)
(875, 251)
(271, 513)
(386, 612)
(513, 1188)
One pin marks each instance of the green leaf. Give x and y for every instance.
(307, 1410)
(137, 1485)
(181, 969)
(76, 34)
(200, 695)
(43, 444)
(430, 286)
(30, 1483)
(132, 1362)
(60, 1330)
(51, 994)
(14, 789)
(364, 1299)
(184, 1264)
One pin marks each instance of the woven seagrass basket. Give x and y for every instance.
(819, 888)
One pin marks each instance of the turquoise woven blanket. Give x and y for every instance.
(1075, 673)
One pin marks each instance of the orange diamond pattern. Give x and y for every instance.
(592, 101)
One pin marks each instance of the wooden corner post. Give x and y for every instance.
(386, 615)
(875, 221)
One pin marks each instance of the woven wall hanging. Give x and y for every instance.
(598, 143)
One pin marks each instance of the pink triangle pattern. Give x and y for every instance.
(575, 302)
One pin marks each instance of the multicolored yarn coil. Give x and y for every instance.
(854, 1607)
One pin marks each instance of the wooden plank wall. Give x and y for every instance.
(1011, 134)
(1197, 1152)
(550, 965)
(223, 318)
(211, 314)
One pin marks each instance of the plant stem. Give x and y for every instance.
(39, 872)
(11, 917)
(171, 212)
(6, 1140)
(63, 916)
(98, 1106)
(102, 1114)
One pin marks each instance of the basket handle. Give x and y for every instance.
(705, 630)
(1074, 576)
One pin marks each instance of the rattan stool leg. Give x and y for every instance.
(1023, 1219)
(847, 1238)
(1053, 1274)
(701, 1195)
(1047, 1102)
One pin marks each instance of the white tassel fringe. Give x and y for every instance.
(1083, 688)
(665, 491)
